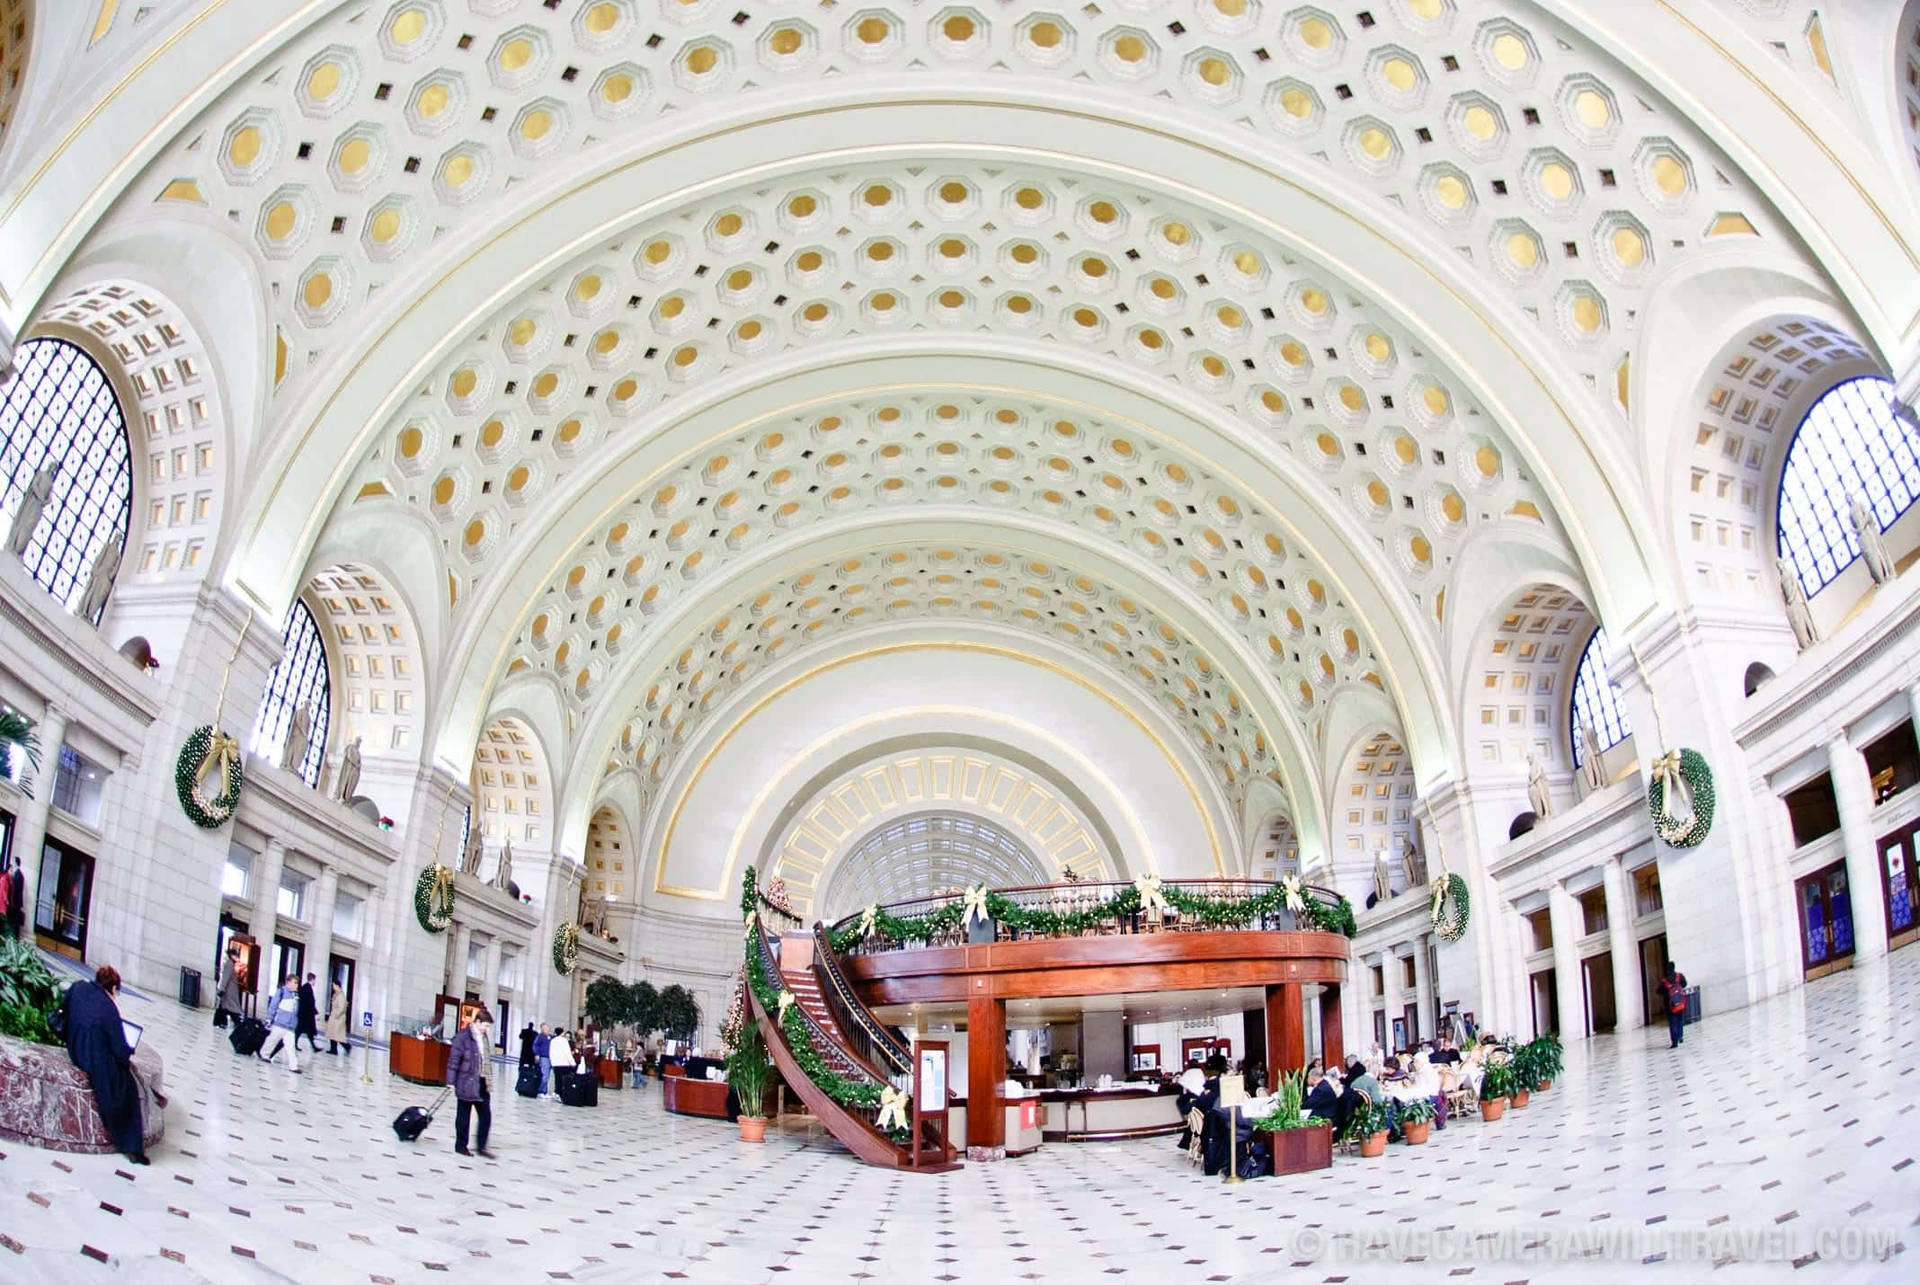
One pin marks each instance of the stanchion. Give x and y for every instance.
(1233, 1144)
(366, 1049)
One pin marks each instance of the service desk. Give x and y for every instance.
(612, 1073)
(422, 1061)
(685, 1095)
(1103, 1115)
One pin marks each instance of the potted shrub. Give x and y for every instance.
(1369, 1125)
(28, 992)
(1298, 1142)
(1416, 1120)
(1496, 1086)
(1549, 1059)
(749, 1071)
(1525, 1068)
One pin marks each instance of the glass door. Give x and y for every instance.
(1826, 919)
(66, 896)
(1899, 853)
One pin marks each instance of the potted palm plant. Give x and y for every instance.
(1416, 1120)
(1369, 1125)
(749, 1071)
(1549, 1060)
(1496, 1086)
(1526, 1074)
(1298, 1142)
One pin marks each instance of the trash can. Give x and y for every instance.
(190, 987)
(1692, 1014)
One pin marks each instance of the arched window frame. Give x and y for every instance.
(62, 405)
(301, 678)
(1596, 699)
(1848, 443)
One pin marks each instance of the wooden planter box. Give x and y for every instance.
(1300, 1150)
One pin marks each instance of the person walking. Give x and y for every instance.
(527, 1038)
(542, 1046)
(283, 1014)
(226, 1000)
(560, 1057)
(467, 1073)
(307, 1026)
(1674, 983)
(97, 1043)
(337, 1041)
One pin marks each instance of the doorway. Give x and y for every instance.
(1546, 1003)
(65, 900)
(340, 972)
(1899, 855)
(1653, 968)
(1826, 920)
(1596, 972)
(289, 956)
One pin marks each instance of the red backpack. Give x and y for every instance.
(1677, 994)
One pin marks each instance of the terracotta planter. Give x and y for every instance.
(1492, 1108)
(1521, 1097)
(1416, 1133)
(1376, 1145)
(1543, 1086)
(1300, 1150)
(753, 1128)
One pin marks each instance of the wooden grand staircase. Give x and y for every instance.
(851, 1043)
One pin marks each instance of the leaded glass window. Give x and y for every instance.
(299, 680)
(60, 409)
(1849, 444)
(1596, 700)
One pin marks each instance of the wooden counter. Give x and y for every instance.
(422, 1061)
(612, 1074)
(687, 1096)
(1107, 1114)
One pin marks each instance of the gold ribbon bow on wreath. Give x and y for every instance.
(1151, 898)
(976, 904)
(893, 1109)
(1295, 892)
(221, 756)
(869, 919)
(1676, 795)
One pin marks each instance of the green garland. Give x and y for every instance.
(1451, 907)
(566, 949)
(1699, 778)
(435, 912)
(1212, 912)
(209, 814)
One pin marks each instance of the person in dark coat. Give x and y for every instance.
(1322, 1101)
(226, 1000)
(527, 1037)
(467, 1073)
(97, 1043)
(307, 1018)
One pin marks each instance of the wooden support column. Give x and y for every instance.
(1333, 1052)
(1286, 1031)
(986, 1073)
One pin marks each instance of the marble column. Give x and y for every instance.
(460, 947)
(1866, 891)
(1390, 997)
(1622, 948)
(1564, 914)
(30, 828)
(1913, 707)
(490, 981)
(265, 882)
(326, 890)
(1422, 990)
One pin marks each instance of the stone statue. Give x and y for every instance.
(106, 565)
(1592, 764)
(33, 502)
(1873, 545)
(583, 913)
(1382, 881)
(1412, 866)
(1799, 614)
(294, 755)
(1538, 796)
(350, 772)
(503, 875)
(470, 859)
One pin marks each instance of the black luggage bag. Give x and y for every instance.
(411, 1123)
(528, 1085)
(247, 1035)
(582, 1090)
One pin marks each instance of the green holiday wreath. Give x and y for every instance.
(1677, 832)
(1451, 907)
(208, 751)
(433, 898)
(566, 949)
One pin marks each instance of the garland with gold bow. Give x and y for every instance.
(974, 905)
(1452, 904)
(566, 949)
(211, 752)
(1295, 892)
(1152, 900)
(1680, 793)
(433, 898)
(893, 1109)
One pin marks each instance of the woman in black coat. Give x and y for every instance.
(97, 1043)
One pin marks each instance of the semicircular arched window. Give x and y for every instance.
(61, 411)
(298, 681)
(1596, 701)
(1849, 444)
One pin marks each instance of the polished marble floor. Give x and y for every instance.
(1780, 1141)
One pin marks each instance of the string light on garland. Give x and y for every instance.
(1451, 907)
(1680, 798)
(209, 752)
(433, 898)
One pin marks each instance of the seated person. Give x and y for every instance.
(1446, 1054)
(1322, 1101)
(1361, 1087)
(1193, 1082)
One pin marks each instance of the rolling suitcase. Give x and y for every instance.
(247, 1035)
(411, 1123)
(528, 1085)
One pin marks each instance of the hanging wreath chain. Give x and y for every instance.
(433, 898)
(566, 949)
(208, 813)
(1452, 905)
(1699, 778)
